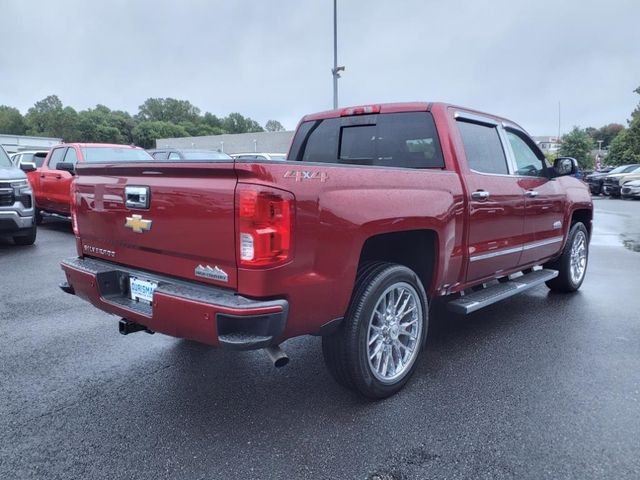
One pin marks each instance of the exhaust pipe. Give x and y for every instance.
(125, 327)
(277, 356)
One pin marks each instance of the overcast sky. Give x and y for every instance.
(271, 59)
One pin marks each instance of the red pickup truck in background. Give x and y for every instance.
(377, 211)
(51, 183)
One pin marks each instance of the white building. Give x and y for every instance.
(271, 142)
(547, 144)
(17, 143)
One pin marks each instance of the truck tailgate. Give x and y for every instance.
(187, 231)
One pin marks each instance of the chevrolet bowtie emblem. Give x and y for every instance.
(138, 224)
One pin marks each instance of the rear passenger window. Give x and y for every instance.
(483, 148)
(406, 140)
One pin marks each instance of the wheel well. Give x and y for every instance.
(415, 249)
(584, 216)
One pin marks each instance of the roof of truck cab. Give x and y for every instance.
(406, 107)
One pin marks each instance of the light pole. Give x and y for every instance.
(335, 71)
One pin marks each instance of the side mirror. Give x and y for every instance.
(565, 166)
(27, 166)
(67, 167)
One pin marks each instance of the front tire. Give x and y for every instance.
(572, 263)
(28, 239)
(375, 351)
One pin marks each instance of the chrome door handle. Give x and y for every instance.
(531, 193)
(480, 195)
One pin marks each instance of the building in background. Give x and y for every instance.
(272, 142)
(547, 144)
(18, 143)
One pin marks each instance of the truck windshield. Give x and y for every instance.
(115, 155)
(4, 159)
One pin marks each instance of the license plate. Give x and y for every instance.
(140, 289)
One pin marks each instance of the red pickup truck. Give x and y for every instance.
(51, 183)
(378, 211)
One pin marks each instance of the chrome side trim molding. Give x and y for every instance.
(519, 248)
(542, 243)
(497, 253)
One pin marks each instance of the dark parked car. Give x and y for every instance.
(595, 180)
(168, 154)
(611, 182)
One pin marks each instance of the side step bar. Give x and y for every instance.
(482, 298)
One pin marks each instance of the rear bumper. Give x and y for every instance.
(206, 314)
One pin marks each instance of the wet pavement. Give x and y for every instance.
(540, 386)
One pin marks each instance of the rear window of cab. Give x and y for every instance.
(405, 140)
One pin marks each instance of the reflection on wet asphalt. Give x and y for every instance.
(617, 222)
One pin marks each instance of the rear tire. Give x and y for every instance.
(376, 348)
(572, 263)
(28, 239)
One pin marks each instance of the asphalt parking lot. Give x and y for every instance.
(541, 386)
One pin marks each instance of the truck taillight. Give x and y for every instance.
(74, 209)
(265, 226)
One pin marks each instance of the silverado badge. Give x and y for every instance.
(138, 224)
(215, 273)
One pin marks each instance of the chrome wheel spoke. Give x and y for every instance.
(394, 329)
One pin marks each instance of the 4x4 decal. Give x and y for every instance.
(302, 175)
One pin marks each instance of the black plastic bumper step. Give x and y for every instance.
(480, 299)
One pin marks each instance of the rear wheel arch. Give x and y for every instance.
(415, 249)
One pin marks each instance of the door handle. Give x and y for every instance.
(42, 175)
(480, 195)
(531, 193)
(58, 176)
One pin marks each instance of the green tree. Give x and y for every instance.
(578, 144)
(606, 133)
(49, 118)
(625, 147)
(273, 126)
(212, 121)
(11, 121)
(236, 123)
(168, 110)
(104, 125)
(146, 133)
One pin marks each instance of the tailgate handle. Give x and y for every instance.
(136, 197)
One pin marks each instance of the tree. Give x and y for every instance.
(145, 133)
(168, 110)
(104, 125)
(625, 147)
(273, 126)
(11, 121)
(578, 144)
(49, 118)
(606, 133)
(236, 123)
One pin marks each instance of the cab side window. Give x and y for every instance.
(528, 163)
(174, 156)
(71, 156)
(56, 157)
(483, 148)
